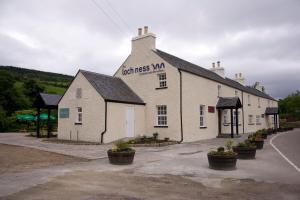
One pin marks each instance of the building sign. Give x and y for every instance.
(146, 69)
(211, 109)
(64, 113)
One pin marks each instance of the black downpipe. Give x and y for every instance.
(181, 127)
(105, 123)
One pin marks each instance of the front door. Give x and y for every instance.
(130, 122)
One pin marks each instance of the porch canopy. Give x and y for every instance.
(273, 111)
(229, 103)
(49, 102)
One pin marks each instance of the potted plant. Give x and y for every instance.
(121, 154)
(257, 140)
(262, 133)
(221, 159)
(245, 150)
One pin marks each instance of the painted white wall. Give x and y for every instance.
(93, 112)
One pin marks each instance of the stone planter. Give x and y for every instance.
(121, 158)
(258, 144)
(222, 162)
(245, 153)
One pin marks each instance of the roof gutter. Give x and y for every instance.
(105, 123)
(181, 127)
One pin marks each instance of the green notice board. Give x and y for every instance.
(64, 113)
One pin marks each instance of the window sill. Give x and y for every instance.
(251, 124)
(203, 127)
(258, 123)
(226, 124)
(160, 126)
(160, 88)
(78, 123)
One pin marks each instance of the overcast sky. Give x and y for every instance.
(259, 38)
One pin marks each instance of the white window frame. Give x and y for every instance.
(219, 90)
(78, 93)
(258, 120)
(236, 93)
(162, 80)
(162, 115)
(225, 117)
(202, 115)
(78, 115)
(250, 119)
(249, 100)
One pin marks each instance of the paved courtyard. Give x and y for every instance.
(181, 168)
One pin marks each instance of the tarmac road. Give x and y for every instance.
(289, 145)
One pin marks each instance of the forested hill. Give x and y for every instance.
(23, 73)
(19, 88)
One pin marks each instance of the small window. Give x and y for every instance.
(258, 102)
(78, 93)
(257, 120)
(79, 115)
(249, 100)
(219, 90)
(236, 93)
(250, 119)
(162, 115)
(202, 116)
(162, 78)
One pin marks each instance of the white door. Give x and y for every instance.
(130, 122)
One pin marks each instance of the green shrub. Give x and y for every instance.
(121, 146)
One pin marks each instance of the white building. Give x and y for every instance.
(154, 91)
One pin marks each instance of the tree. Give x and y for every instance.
(290, 106)
(32, 89)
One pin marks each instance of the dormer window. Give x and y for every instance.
(162, 79)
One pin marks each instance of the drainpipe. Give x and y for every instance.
(105, 123)
(181, 127)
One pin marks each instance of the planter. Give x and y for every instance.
(245, 153)
(222, 162)
(121, 158)
(264, 136)
(258, 144)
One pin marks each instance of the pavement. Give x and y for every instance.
(186, 160)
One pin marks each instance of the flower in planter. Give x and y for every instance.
(121, 146)
(223, 159)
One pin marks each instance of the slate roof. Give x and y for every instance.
(200, 71)
(50, 99)
(271, 110)
(112, 88)
(229, 102)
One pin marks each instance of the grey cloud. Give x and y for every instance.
(253, 37)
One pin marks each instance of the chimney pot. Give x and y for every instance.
(240, 75)
(145, 29)
(213, 65)
(218, 63)
(236, 75)
(139, 31)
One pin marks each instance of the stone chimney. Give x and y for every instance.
(239, 78)
(145, 41)
(218, 70)
(259, 87)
